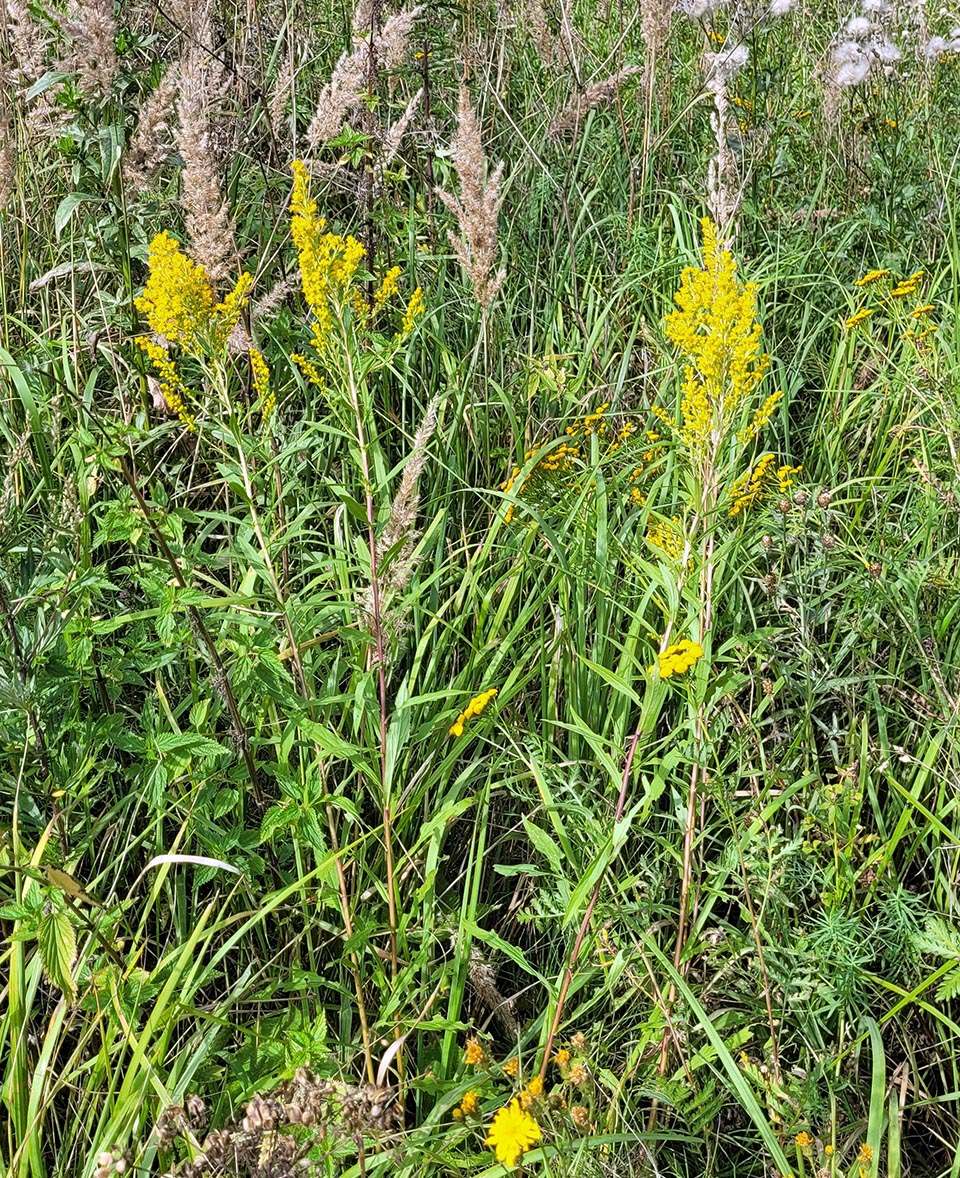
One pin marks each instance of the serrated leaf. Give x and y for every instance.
(938, 938)
(544, 844)
(949, 988)
(57, 942)
(188, 744)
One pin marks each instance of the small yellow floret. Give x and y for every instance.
(473, 708)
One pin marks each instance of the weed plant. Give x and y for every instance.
(478, 588)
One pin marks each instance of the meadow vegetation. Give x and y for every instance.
(479, 541)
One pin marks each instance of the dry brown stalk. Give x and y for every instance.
(8, 140)
(477, 209)
(153, 141)
(570, 118)
(203, 86)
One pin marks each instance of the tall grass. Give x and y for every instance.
(284, 886)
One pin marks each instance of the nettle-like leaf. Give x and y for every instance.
(58, 951)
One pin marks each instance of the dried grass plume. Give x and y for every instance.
(478, 208)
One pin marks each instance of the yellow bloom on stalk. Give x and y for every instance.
(716, 329)
(171, 386)
(261, 383)
(761, 417)
(678, 658)
(473, 1054)
(180, 304)
(328, 261)
(388, 287)
(473, 708)
(871, 277)
(470, 1103)
(512, 1133)
(415, 308)
(857, 317)
(531, 1093)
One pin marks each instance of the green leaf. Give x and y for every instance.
(67, 207)
(58, 951)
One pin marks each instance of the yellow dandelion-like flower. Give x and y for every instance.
(871, 277)
(561, 1058)
(512, 1133)
(470, 1103)
(803, 1140)
(473, 1054)
(858, 317)
(512, 1066)
(678, 658)
(473, 708)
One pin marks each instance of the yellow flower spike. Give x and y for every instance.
(172, 387)
(415, 308)
(473, 1053)
(716, 330)
(512, 1133)
(388, 287)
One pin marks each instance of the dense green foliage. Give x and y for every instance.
(246, 826)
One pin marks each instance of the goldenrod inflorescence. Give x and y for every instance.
(473, 708)
(716, 329)
(678, 658)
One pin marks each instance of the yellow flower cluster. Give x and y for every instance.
(531, 1093)
(667, 537)
(328, 261)
(179, 302)
(261, 383)
(716, 329)
(468, 1106)
(388, 286)
(907, 286)
(562, 458)
(871, 277)
(512, 1133)
(473, 1054)
(593, 423)
(173, 389)
(858, 317)
(750, 487)
(761, 417)
(678, 658)
(473, 708)
(803, 1140)
(415, 308)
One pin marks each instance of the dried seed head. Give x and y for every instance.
(783, 506)
(767, 542)
(828, 541)
(876, 568)
(823, 499)
(800, 498)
